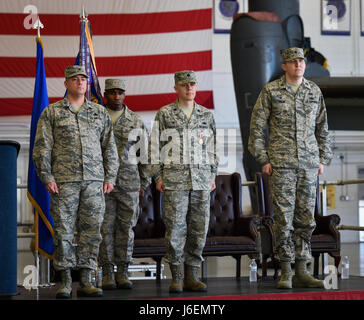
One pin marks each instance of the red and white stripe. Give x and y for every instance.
(141, 41)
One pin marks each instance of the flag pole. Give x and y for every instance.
(37, 25)
(36, 248)
(86, 57)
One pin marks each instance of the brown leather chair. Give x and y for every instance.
(230, 233)
(265, 211)
(149, 230)
(325, 237)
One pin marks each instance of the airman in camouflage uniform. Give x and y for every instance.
(76, 158)
(122, 204)
(293, 109)
(184, 162)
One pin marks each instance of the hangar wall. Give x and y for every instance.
(344, 59)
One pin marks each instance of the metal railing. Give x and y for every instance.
(324, 184)
(341, 182)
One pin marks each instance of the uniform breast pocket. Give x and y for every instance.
(65, 131)
(127, 144)
(123, 136)
(310, 107)
(171, 123)
(95, 125)
(311, 101)
(282, 113)
(203, 126)
(64, 124)
(130, 134)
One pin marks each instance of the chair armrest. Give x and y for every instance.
(327, 224)
(248, 226)
(267, 221)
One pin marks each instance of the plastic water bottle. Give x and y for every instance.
(93, 277)
(253, 269)
(98, 280)
(345, 267)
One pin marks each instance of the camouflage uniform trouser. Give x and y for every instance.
(79, 206)
(294, 197)
(186, 216)
(121, 215)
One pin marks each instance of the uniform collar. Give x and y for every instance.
(127, 113)
(86, 103)
(283, 82)
(177, 109)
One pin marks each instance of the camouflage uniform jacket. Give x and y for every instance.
(298, 131)
(183, 152)
(131, 139)
(73, 147)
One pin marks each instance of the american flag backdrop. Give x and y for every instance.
(141, 41)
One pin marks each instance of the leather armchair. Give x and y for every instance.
(265, 210)
(149, 230)
(230, 233)
(325, 237)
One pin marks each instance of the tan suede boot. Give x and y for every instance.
(65, 291)
(86, 288)
(122, 279)
(302, 278)
(285, 282)
(191, 282)
(177, 278)
(108, 277)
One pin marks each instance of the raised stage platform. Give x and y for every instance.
(218, 288)
(223, 300)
